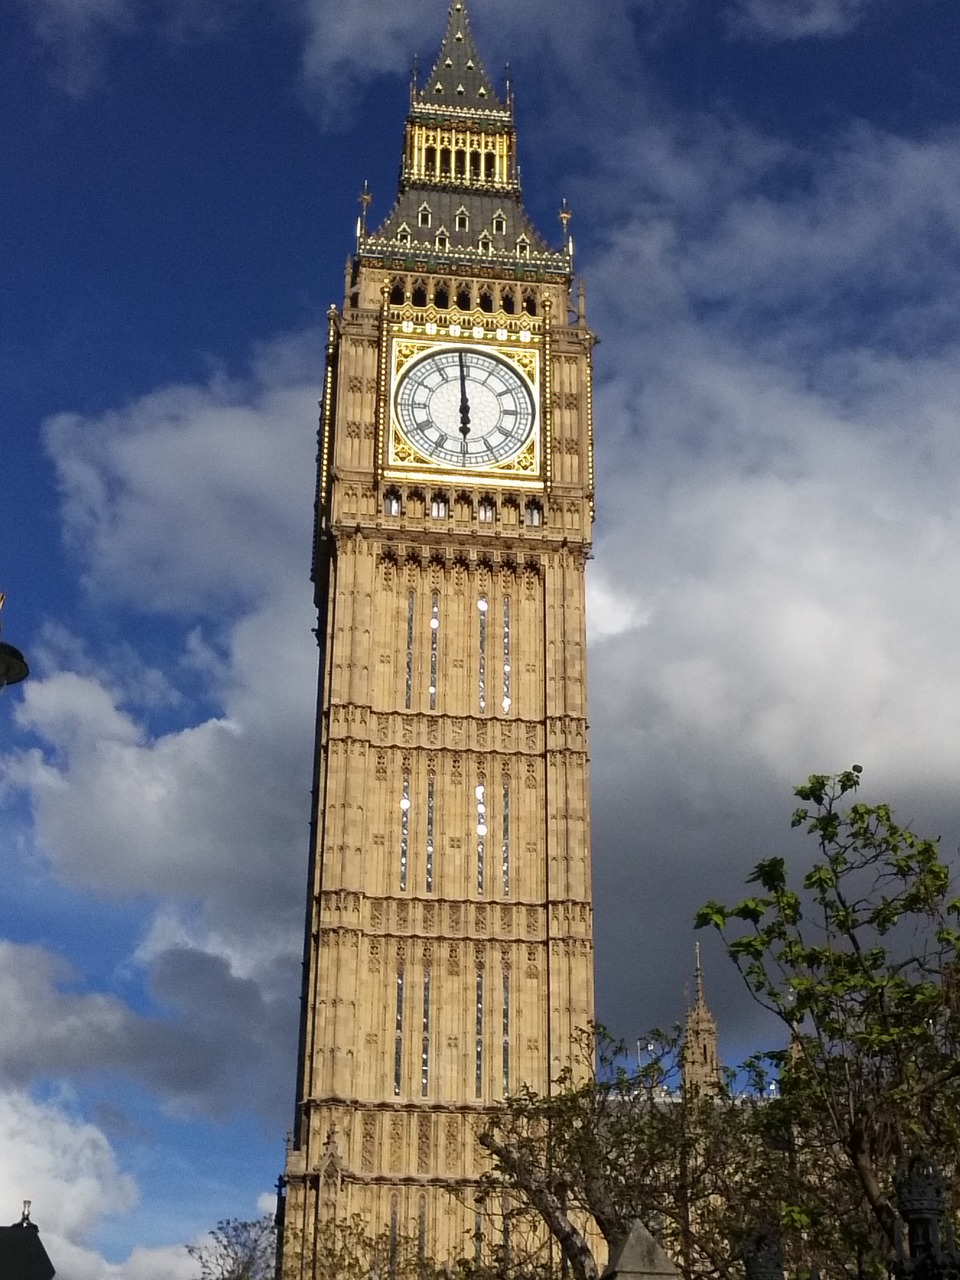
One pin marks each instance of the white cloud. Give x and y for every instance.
(77, 32)
(794, 19)
(69, 1171)
(777, 507)
(207, 818)
(157, 496)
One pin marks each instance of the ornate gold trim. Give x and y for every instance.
(591, 469)
(382, 387)
(547, 406)
(326, 406)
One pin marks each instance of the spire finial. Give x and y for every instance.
(365, 201)
(700, 999)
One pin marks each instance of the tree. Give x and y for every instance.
(623, 1143)
(343, 1250)
(238, 1250)
(860, 965)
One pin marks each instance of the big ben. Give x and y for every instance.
(448, 947)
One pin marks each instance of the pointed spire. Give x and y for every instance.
(458, 78)
(701, 1058)
(701, 1002)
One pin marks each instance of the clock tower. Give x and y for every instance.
(448, 949)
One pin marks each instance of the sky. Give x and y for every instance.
(766, 199)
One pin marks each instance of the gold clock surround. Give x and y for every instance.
(403, 462)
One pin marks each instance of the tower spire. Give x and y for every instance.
(701, 1058)
(458, 78)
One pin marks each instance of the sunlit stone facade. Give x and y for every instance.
(449, 953)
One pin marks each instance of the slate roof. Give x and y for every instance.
(458, 78)
(482, 208)
(22, 1256)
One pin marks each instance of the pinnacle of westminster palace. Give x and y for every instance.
(448, 953)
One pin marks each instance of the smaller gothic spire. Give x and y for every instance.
(701, 1058)
(458, 78)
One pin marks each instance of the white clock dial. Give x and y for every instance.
(463, 407)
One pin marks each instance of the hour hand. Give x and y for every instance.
(464, 403)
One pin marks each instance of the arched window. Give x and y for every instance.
(508, 302)
(530, 303)
(490, 160)
(439, 506)
(534, 515)
(392, 503)
(445, 162)
(398, 295)
(441, 296)
(430, 160)
(486, 299)
(419, 296)
(464, 301)
(474, 164)
(460, 163)
(486, 511)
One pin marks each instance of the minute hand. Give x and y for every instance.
(464, 402)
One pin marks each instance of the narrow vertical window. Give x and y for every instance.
(404, 829)
(478, 1234)
(479, 1043)
(483, 606)
(394, 1234)
(425, 1043)
(434, 648)
(422, 1235)
(481, 794)
(507, 665)
(411, 611)
(431, 815)
(505, 842)
(506, 1032)
(398, 1046)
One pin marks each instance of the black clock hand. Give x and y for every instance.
(464, 403)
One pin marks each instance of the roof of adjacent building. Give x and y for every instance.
(22, 1256)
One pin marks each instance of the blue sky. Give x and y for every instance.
(766, 200)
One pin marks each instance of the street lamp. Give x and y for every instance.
(13, 665)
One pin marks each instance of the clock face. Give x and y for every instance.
(463, 407)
